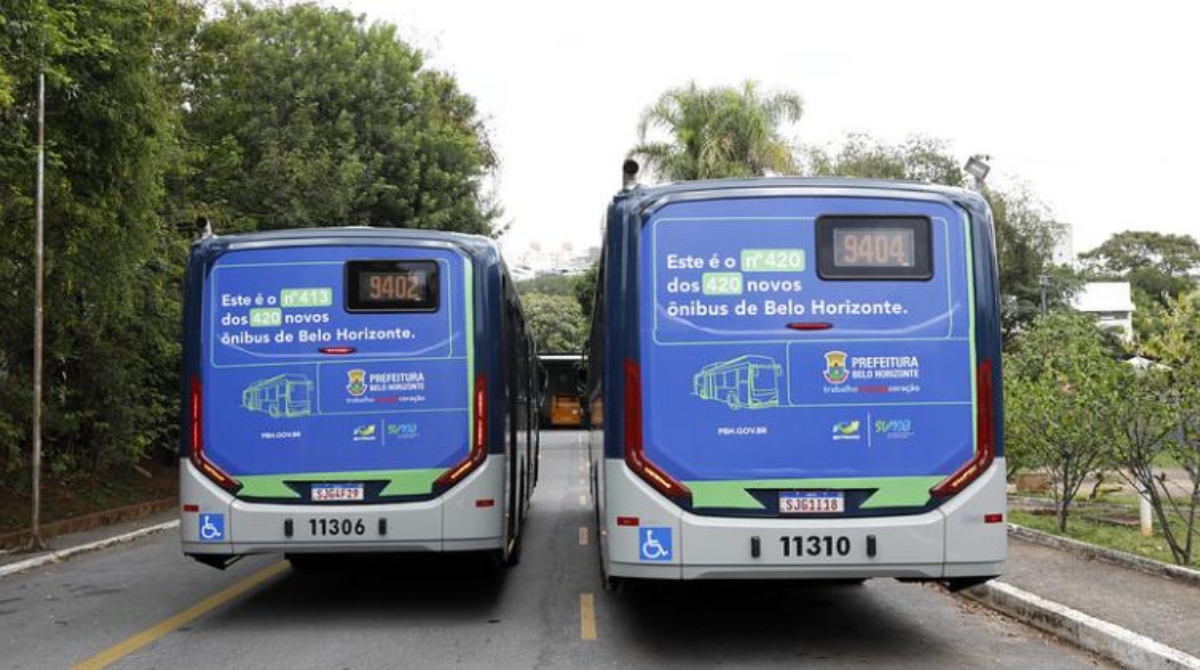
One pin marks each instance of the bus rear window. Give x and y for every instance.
(865, 248)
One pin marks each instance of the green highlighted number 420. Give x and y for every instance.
(772, 260)
(722, 283)
(753, 260)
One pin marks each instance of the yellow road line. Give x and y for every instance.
(587, 616)
(127, 647)
(583, 536)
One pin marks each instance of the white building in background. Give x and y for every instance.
(1111, 302)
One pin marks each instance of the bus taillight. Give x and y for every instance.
(986, 436)
(196, 450)
(478, 445)
(634, 456)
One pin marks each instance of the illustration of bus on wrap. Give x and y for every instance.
(750, 382)
(288, 395)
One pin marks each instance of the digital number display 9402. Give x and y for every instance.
(391, 286)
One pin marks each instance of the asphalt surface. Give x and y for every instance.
(157, 609)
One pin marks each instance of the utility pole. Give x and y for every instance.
(36, 500)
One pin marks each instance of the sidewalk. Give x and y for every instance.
(76, 539)
(1164, 610)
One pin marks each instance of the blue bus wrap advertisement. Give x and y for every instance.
(298, 386)
(758, 372)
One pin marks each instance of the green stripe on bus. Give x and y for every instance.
(400, 482)
(889, 491)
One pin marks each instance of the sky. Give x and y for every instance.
(1095, 106)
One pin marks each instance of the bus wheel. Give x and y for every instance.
(310, 562)
(848, 581)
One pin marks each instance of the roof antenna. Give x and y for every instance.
(629, 172)
(203, 227)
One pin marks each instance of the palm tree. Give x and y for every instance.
(718, 132)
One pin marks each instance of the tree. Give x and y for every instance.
(1175, 346)
(718, 132)
(548, 285)
(1059, 382)
(918, 159)
(557, 324)
(585, 289)
(1026, 235)
(1156, 264)
(303, 116)
(1026, 231)
(112, 310)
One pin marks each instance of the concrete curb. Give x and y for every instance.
(1121, 645)
(1119, 558)
(64, 554)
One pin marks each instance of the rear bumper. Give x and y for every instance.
(451, 522)
(952, 541)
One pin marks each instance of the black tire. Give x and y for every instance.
(311, 562)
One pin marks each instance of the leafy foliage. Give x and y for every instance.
(718, 132)
(1026, 231)
(548, 285)
(557, 323)
(918, 159)
(111, 282)
(1156, 264)
(303, 116)
(257, 117)
(1060, 380)
(585, 289)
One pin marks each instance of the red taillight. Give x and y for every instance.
(985, 453)
(628, 521)
(634, 457)
(196, 452)
(478, 445)
(993, 518)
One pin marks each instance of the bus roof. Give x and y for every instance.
(474, 244)
(827, 185)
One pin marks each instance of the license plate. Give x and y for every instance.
(811, 502)
(336, 492)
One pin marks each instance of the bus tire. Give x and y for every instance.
(311, 562)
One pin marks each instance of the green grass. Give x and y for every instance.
(1124, 538)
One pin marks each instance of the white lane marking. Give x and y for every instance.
(583, 536)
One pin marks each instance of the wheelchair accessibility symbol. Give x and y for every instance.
(654, 544)
(212, 528)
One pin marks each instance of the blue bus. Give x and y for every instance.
(354, 390)
(797, 379)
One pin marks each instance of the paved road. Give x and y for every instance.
(150, 608)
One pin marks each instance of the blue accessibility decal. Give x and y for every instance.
(212, 528)
(654, 544)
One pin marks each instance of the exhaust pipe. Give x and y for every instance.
(629, 172)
